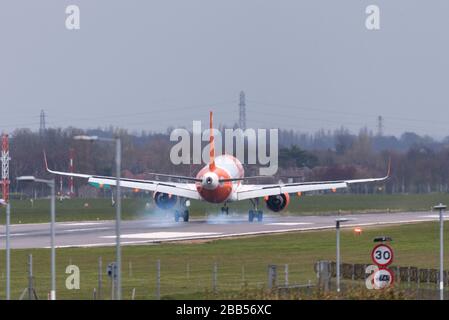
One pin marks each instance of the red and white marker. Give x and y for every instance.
(382, 255)
(383, 278)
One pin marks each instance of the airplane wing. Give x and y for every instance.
(185, 190)
(257, 190)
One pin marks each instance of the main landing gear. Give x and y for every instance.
(182, 211)
(184, 214)
(255, 213)
(225, 210)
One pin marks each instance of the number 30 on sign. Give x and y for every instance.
(382, 255)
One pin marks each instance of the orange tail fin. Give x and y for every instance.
(211, 145)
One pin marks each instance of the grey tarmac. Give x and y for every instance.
(162, 229)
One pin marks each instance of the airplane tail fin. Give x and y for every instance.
(211, 145)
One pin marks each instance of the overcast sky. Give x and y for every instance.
(304, 64)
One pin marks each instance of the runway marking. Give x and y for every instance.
(86, 229)
(81, 224)
(163, 235)
(13, 235)
(104, 244)
(288, 223)
(434, 216)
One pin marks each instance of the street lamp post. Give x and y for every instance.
(337, 225)
(118, 206)
(8, 248)
(51, 184)
(441, 207)
(8, 252)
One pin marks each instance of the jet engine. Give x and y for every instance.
(278, 202)
(165, 200)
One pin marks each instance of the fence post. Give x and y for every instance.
(113, 282)
(272, 275)
(408, 277)
(353, 272)
(100, 277)
(243, 274)
(418, 275)
(323, 274)
(214, 278)
(30, 277)
(286, 275)
(130, 269)
(158, 280)
(133, 294)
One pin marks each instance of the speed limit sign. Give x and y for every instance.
(382, 255)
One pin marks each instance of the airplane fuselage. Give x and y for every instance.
(210, 188)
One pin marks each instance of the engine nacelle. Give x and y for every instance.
(165, 200)
(278, 202)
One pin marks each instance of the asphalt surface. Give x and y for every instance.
(164, 229)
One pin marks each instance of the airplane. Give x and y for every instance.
(219, 181)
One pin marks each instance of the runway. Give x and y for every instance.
(158, 230)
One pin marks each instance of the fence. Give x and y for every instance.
(199, 279)
(423, 283)
(153, 278)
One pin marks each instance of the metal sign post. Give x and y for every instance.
(441, 207)
(337, 227)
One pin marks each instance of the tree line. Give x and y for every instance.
(418, 164)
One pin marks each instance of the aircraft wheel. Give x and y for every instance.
(186, 216)
(225, 210)
(260, 215)
(251, 216)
